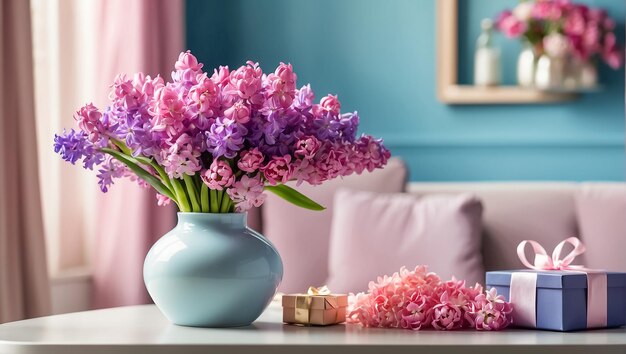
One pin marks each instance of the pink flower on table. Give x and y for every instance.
(238, 112)
(89, 120)
(307, 147)
(219, 175)
(247, 193)
(250, 160)
(447, 317)
(510, 25)
(162, 200)
(491, 311)
(417, 313)
(278, 170)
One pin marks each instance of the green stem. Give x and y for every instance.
(204, 198)
(181, 196)
(193, 193)
(164, 177)
(219, 201)
(122, 146)
(225, 207)
(214, 204)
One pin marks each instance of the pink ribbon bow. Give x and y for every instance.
(543, 262)
(523, 287)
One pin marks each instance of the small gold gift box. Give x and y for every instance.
(317, 307)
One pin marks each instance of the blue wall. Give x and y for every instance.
(379, 56)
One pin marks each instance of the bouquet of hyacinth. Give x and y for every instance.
(419, 299)
(215, 143)
(561, 27)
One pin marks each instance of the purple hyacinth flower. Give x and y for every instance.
(74, 146)
(226, 138)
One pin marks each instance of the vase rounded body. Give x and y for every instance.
(526, 66)
(550, 73)
(211, 270)
(587, 75)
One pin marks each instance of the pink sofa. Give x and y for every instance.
(514, 211)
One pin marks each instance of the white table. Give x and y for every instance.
(142, 329)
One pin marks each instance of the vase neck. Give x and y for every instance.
(220, 220)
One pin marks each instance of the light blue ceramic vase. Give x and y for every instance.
(212, 270)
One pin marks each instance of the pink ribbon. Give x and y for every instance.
(523, 289)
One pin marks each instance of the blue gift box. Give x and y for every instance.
(561, 299)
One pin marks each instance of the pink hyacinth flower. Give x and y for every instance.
(89, 121)
(281, 86)
(510, 25)
(307, 147)
(162, 200)
(492, 312)
(168, 110)
(238, 112)
(247, 193)
(447, 317)
(278, 170)
(246, 82)
(204, 95)
(219, 175)
(331, 104)
(417, 313)
(250, 160)
(187, 61)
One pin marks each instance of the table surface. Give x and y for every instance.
(143, 329)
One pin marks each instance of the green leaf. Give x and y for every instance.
(294, 197)
(140, 172)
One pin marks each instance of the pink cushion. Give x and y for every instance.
(601, 209)
(302, 236)
(376, 234)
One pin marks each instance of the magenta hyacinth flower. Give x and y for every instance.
(278, 170)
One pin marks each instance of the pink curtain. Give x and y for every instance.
(140, 35)
(24, 288)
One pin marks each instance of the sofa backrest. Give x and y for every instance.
(516, 211)
(541, 211)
